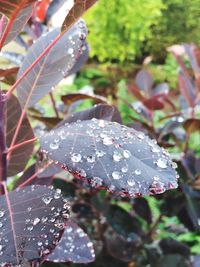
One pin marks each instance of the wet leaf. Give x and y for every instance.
(51, 69)
(172, 246)
(10, 9)
(112, 156)
(74, 246)
(144, 81)
(32, 221)
(141, 207)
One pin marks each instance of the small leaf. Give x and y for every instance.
(32, 221)
(51, 69)
(21, 155)
(71, 98)
(112, 156)
(144, 81)
(74, 246)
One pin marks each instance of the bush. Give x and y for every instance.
(119, 28)
(138, 26)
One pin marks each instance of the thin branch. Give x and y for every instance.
(34, 176)
(54, 104)
(21, 144)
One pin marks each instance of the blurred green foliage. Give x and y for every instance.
(126, 29)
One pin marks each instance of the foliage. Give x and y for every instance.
(140, 27)
(98, 166)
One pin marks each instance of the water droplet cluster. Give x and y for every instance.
(76, 246)
(31, 224)
(112, 156)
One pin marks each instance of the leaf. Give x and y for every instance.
(13, 57)
(32, 221)
(18, 23)
(71, 98)
(112, 156)
(8, 75)
(172, 246)
(101, 111)
(29, 173)
(187, 89)
(51, 69)
(144, 81)
(78, 9)
(11, 8)
(141, 207)
(74, 246)
(192, 125)
(21, 155)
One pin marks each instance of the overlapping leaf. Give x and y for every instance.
(18, 23)
(112, 156)
(32, 221)
(55, 65)
(10, 8)
(74, 246)
(78, 9)
(21, 155)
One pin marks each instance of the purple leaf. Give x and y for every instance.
(144, 81)
(21, 155)
(112, 156)
(74, 246)
(32, 221)
(51, 69)
(18, 23)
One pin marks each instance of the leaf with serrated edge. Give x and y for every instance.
(55, 65)
(74, 246)
(112, 156)
(32, 221)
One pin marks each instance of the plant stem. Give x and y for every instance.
(3, 163)
(21, 144)
(54, 104)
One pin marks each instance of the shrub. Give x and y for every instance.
(124, 29)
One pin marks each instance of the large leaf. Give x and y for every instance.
(109, 155)
(55, 65)
(21, 155)
(74, 246)
(18, 23)
(71, 98)
(32, 221)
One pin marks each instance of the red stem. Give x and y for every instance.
(31, 178)
(21, 144)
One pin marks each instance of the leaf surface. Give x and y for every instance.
(74, 246)
(32, 221)
(112, 156)
(55, 65)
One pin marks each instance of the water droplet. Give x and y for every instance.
(70, 51)
(131, 182)
(54, 145)
(124, 169)
(155, 149)
(100, 153)
(126, 154)
(161, 163)
(39, 243)
(116, 175)
(174, 165)
(47, 200)
(1, 213)
(107, 141)
(138, 171)
(76, 157)
(36, 221)
(117, 156)
(91, 159)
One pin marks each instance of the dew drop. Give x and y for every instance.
(70, 51)
(131, 182)
(47, 200)
(138, 171)
(117, 156)
(126, 154)
(1, 214)
(54, 145)
(124, 169)
(76, 157)
(36, 221)
(91, 159)
(116, 175)
(161, 163)
(107, 141)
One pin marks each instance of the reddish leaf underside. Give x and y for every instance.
(32, 221)
(112, 156)
(21, 155)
